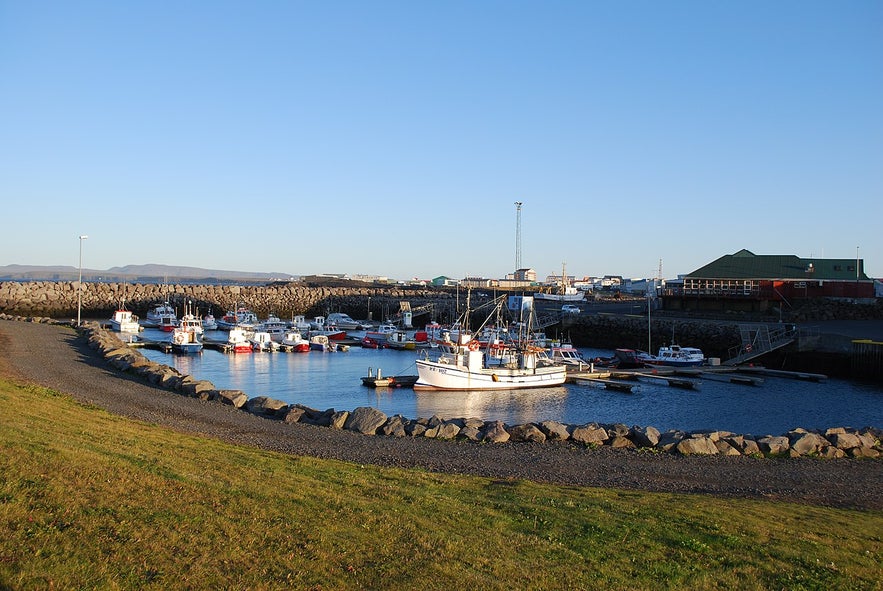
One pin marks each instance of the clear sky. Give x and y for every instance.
(394, 137)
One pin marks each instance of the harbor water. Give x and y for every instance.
(333, 380)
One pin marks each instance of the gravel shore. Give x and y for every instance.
(57, 357)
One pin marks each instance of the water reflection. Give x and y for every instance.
(521, 406)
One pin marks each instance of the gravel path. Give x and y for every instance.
(55, 356)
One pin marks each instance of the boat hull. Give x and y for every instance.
(187, 348)
(433, 375)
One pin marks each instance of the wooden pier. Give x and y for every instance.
(686, 378)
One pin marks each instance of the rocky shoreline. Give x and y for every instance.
(700, 462)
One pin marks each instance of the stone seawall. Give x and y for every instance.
(99, 300)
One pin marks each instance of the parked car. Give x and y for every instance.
(569, 309)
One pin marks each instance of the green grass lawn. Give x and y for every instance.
(91, 500)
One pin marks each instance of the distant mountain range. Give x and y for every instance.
(135, 274)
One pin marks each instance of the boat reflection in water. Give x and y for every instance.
(522, 406)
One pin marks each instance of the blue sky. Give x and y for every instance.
(393, 138)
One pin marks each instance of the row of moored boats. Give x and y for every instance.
(505, 356)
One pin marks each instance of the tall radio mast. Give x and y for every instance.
(518, 205)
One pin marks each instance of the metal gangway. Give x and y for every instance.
(759, 339)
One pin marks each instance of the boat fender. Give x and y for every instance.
(494, 377)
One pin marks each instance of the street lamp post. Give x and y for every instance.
(80, 282)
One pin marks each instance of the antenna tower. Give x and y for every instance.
(518, 205)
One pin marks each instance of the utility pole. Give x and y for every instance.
(518, 205)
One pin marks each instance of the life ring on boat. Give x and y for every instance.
(473, 345)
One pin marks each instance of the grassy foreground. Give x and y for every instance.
(91, 500)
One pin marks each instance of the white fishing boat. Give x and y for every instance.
(568, 355)
(242, 317)
(191, 321)
(380, 334)
(318, 327)
(185, 339)
(238, 340)
(209, 322)
(162, 317)
(293, 340)
(401, 340)
(273, 325)
(263, 341)
(344, 322)
(124, 320)
(321, 342)
(462, 365)
(676, 356)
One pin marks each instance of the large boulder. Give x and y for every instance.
(697, 444)
(235, 398)
(555, 431)
(527, 432)
(644, 436)
(773, 445)
(365, 419)
(495, 432)
(590, 434)
(266, 406)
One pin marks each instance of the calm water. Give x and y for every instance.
(332, 380)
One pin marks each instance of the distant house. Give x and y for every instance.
(442, 281)
(746, 281)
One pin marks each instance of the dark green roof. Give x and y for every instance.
(747, 265)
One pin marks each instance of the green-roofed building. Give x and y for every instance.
(751, 282)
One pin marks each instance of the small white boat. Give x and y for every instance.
(293, 340)
(381, 334)
(162, 317)
(273, 325)
(263, 341)
(568, 355)
(209, 322)
(318, 327)
(191, 321)
(676, 356)
(124, 321)
(239, 341)
(344, 322)
(240, 318)
(400, 340)
(321, 342)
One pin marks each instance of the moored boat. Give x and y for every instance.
(263, 341)
(344, 321)
(242, 317)
(381, 381)
(239, 341)
(401, 341)
(677, 356)
(162, 316)
(293, 340)
(186, 340)
(209, 322)
(321, 342)
(462, 365)
(569, 356)
(124, 320)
